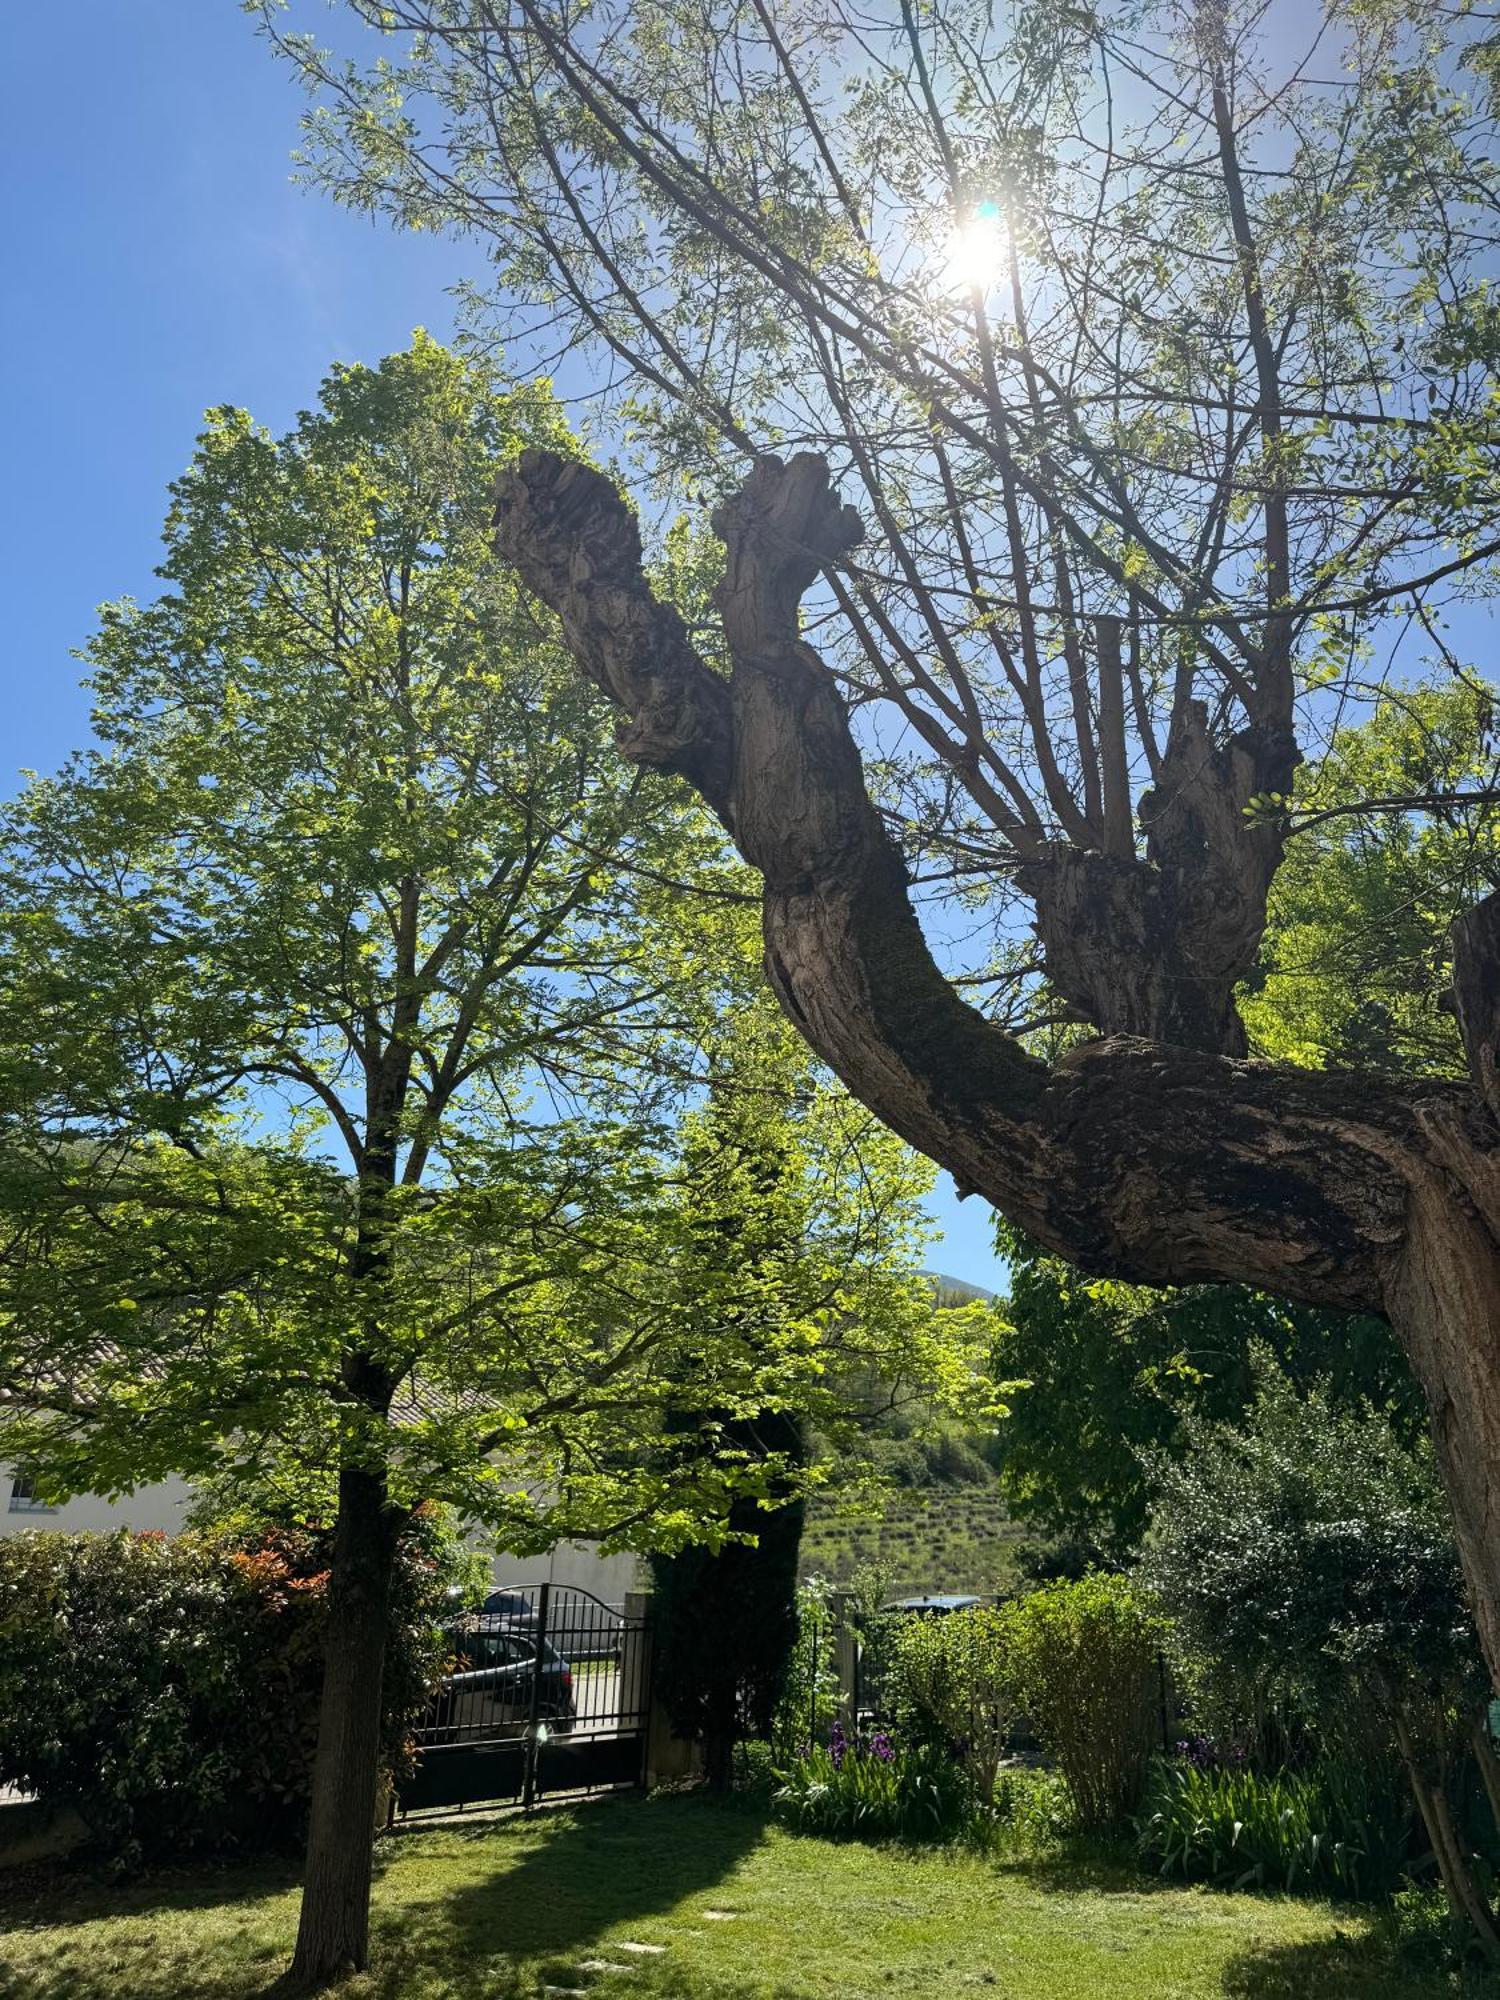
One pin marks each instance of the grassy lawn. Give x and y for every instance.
(740, 1910)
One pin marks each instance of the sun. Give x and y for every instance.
(976, 256)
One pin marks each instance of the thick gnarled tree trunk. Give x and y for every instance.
(1132, 1156)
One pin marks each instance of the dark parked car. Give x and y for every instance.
(512, 1606)
(490, 1689)
(577, 1623)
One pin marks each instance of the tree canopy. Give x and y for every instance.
(357, 992)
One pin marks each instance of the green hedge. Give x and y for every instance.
(168, 1688)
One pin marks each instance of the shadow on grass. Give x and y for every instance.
(1340, 1968)
(56, 1895)
(559, 1889)
(1100, 1868)
(484, 1909)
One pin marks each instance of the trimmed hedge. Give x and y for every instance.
(168, 1689)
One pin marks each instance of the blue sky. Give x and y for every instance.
(160, 261)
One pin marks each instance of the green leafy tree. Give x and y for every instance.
(1356, 968)
(1101, 1375)
(349, 996)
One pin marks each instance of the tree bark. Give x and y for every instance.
(333, 1933)
(1155, 946)
(1130, 1157)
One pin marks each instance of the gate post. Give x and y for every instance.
(667, 1757)
(528, 1790)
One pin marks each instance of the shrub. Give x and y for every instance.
(874, 1791)
(1080, 1658)
(169, 1689)
(1307, 1557)
(1032, 1810)
(1335, 1827)
(949, 1681)
(1423, 1930)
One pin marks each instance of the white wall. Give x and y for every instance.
(160, 1507)
(576, 1563)
(163, 1506)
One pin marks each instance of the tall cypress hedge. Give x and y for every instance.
(726, 1619)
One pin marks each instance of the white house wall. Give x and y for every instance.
(162, 1507)
(149, 1507)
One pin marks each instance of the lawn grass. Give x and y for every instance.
(744, 1911)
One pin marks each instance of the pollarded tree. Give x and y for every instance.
(1160, 360)
(348, 1006)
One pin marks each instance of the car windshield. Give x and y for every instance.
(485, 1647)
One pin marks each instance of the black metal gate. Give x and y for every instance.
(549, 1692)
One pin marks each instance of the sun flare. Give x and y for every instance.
(977, 253)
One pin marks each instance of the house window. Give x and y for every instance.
(23, 1497)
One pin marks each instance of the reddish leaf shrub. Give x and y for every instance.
(168, 1688)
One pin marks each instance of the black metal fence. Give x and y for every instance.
(549, 1692)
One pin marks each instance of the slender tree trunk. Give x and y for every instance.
(1465, 1898)
(333, 1934)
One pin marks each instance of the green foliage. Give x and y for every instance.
(1356, 959)
(1308, 1560)
(168, 1688)
(1308, 1555)
(1342, 1826)
(886, 1792)
(1081, 1659)
(774, 1252)
(810, 1682)
(1032, 1810)
(951, 1677)
(1101, 1376)
(1422, 1927)
(351, 1000)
